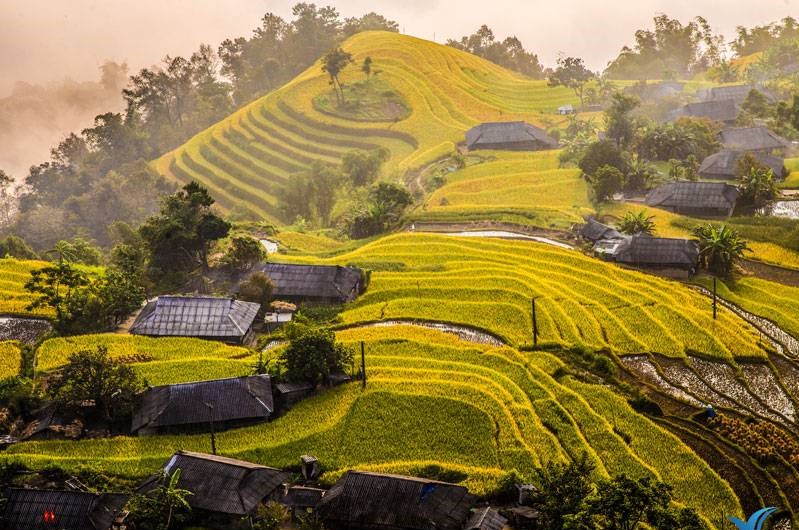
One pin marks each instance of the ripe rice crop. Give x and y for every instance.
(10, 357)
(14, 299)
(488, 284)
(433, 404)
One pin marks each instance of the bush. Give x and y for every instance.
(606, 182)
(313, 354)
(601, 154)
(243, 252)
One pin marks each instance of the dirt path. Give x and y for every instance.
(496, 229)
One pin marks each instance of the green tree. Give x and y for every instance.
(16, 247)
(572, 73)
(606, 182)
(91, 375)
(179, 237)
(619, 125)
(313, 354)
(257, 288)
(637, 223)
(509, 53)
(58, 286)
(8, 199)
(363, 167)
(79, 251)
(366, 67)
(243, 252)
(333, 63)
(564, 490)
(755, 182)
(624, 503)
(720, 247)
(165, 504)
(119, 294)
(602, 153)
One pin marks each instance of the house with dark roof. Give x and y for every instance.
(676, 258)
(301, 500)
(204, 317)
(595, 231)
(289, 393)
(315, 283)
(509, 136)
(756, 139)
(372, 501)
(34, 509)
(222, 485)
(485, 518)
(697, 199)
(736, 93)
(721, 110)
(230, 402)
(724, 164)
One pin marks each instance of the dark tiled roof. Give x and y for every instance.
(507, 132)
(689, 195)
(314, 281)
(71, 510)
(737, 93)
(288, 387)
(718, 110)
(195, 316)
(724, 164)
(361, 500)
(236, 398)
(302, 497)
(645, 250)
(220, 484)
(751, 138)
(593, 230)
(486, 519)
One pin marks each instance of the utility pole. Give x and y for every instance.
(363, 366)
(213, 433)
(535, 326)
(714, 298)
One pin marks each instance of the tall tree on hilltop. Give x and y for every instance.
(572, 73)
(333, 63)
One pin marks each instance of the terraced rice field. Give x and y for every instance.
(489, 284)
(523, 188)
(13, 297)
(246, 157)
(10, 357)
(159, 361)
(487, 410)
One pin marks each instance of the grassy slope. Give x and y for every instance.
(243, 158)
(526, 188)
(488, 284)
(508, 401)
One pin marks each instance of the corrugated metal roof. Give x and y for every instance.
(486, 519)
(195, 316)
(314, 281)
(302, 497)
(361, 500)
(507, 132)
(593, 230)
(236, 398)
(724, 164)
(685, 195)
(220, 484)
(34, 509)
(751, 139)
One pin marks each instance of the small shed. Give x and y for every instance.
(367, 501)
(34, 509)
(222, 485)
(289, 394)
(672, 257)
(595, 231)
(227, 402)
(723, 165)
(509, 136)
(697, 199)
(205, 317)
(721, 110)
(756, 139)
(331, 284)
(302, 500)
(564, 110)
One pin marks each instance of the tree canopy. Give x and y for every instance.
(509, 53)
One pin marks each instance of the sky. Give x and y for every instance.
(50, 40)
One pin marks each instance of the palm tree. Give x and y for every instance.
(719, 248)
(637, 223)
